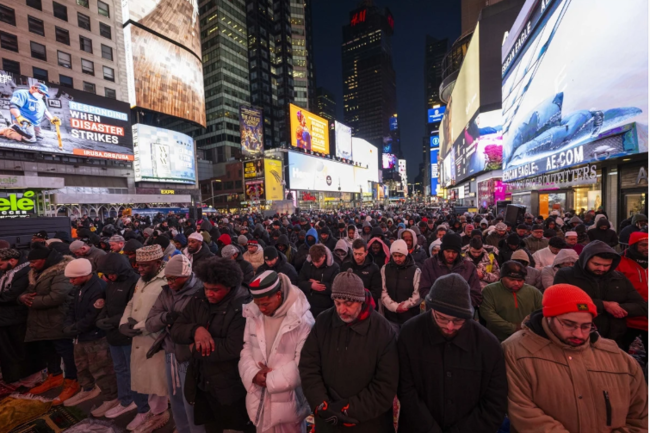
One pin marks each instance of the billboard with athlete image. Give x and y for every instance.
(251, 129)
(308, 131)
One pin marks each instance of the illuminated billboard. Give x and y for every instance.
(319, 174)
(343, 134)
(254, 189)
(388, 161)
(90, 125)
(253, 169)
(367, 155)
(436, 114)
(308, 131)
(564, 103)
(434, 171)
(401, 169)
(273, 174)
(251, 129)
(162, 155)
(479, 148)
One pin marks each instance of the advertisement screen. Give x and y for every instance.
(366, 154)
(343, 140)
(401, 164)
(479, 148)
(434, 171)
(434, 141)
(392, 123)
(308, 131)
(563, 103)
(90, 125)
(254, 189)
(436, 114)
(388, 161)
(251, 129)
(273, 179)
(162, 155)
(253, 169)
(319, 174)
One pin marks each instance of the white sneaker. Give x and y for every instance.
(105, 407)
(33, 380)
(82, 396)
(139, 419)
(120, 410)
(154, 423)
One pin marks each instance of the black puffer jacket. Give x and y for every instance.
(246, 268)
(118, 294)
(11, 311)
(330, 242)
(281, 266)
(435, 268)
(319, 301)
(612, 287)
(369, 273)
(303, 250)
(203, 254)
(88, 302)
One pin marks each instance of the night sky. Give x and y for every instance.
(414, 19)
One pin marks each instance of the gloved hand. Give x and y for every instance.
(170, 317)
(21, 121)
(70, 331)
(335, 413)
(104, 324)
(127, 329)
(55, 121)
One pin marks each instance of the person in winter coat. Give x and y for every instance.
(278, 322)
(366, 231)
(311, 238)
(254, 254)
(634, 265)
(182, 286)
(197, 250)
(416, 251)
(316, 277)
(213, 325)
(611, 291)
(546, 256)
(487, 266)
(536, 241)
(551, 223)
(638, 223)
(352, 234)
(602, 232)
(47, 299)
(378, 248)
(147, 374)
(466, 235)
(364, 267)
(91, 353)
(500, 233)
(275, 261)
(287, 248)
(511, 244)
(449, 261)
(564, 376)
(571, 239)
(342, 252)
(507, 302)
(327, 239)
(231, 252)
(168, 247)
(87, 251)
(533, 276)
(564, 259)
(445, 346)
(349, 362)
(400, 281)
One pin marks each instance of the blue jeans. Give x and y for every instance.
(122, 365)
(183, 411)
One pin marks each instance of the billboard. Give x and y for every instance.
(392, 124)
(479, 148)
(367, 155)
(254, 189)
(388, 161)
(308, 131)
(434, 140)
(273, 175)
(90, 125)
(319, 174)
(343, 135)
(436, 114)
(251, 130)
(401, 164)
(563, 102)
(434, 170)
(162, 155)
(253, 169)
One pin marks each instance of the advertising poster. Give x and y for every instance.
(434, 141)
(308, 131)
(253, 169)
(318, 174)
(392, 124)
(479, 148)
(254, 189)
(388, 161)
(90, 125)
(251, 129)
(565, 104)
(162, 155)
(401, 168)
(273, 174)
(367, 155)
(434, 171)
(343, 135)
(436, 114)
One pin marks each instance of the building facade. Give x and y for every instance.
(325, 104)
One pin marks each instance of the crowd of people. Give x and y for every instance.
(370, 320)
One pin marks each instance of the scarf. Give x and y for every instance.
(368, 305)
(7, 278)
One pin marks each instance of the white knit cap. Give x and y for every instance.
(196, 237)
(399, 246)
(567, 234)
(78, 268)
(76, 246)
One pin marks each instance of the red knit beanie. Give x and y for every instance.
(566, 298)
(638, 237)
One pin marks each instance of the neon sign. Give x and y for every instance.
(358, 17)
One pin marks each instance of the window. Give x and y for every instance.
(103, 9)
(109, 93)
(109, 74)
(87, 67)
(65, 59)
(7, 15)
(105, 30)
(38, 51)
(60, 11)
(83, 3)
(11, 66)
(65, 81)
(83, 21)
(39, 74)
(36, 4)
(89, 87)
(85, 44)
(107, 52)
(8, 41)
(35, 26)
(62, 35)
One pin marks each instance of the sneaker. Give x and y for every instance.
(33, 380)
(50, 383)
(154, 423)
(120, 410)
(70, 388)
(139, 419)
(105, 407)
(82, 396)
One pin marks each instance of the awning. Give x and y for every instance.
(63, 198)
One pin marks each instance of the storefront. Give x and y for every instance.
(633, 187)
(22, 196)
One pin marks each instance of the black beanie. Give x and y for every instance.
(270, 253)
(513, 239)
(450, 295)
(38, 252)
(162, 240)
(477, 233)
(451, 241)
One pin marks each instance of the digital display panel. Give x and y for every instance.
(308, 131)
(479, 148)
(343, 135)
(251, 129)
(436, 114)
(388, 161)
(273, 175)
(162, 155)
(319, 174)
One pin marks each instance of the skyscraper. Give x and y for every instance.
(369, 90)
(325, 104)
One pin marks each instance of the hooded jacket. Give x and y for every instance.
(607, 236)
(256, 259)
(548, 272)
(366, 231)
(15, 282)
(383, 256)
(417, 252)
(88, 301)
(612, 286)
(592, 388)
(281, 266)
(246, 268)
(291, 249)
(435, 267)
(330, 242)
(342, 245)
(638, 276)
(303, 249)
(319, 301)
(347, 238)
(369, 273)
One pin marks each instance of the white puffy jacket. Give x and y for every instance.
(282, 401)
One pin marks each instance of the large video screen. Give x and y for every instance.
(251, 129)
(434, 171)
(343, 134)
(319, 174)
(367, 155)
(162, 155)
(436, 114)
(401, 169)
(572, 92)
(479, 148)
(273, 175)
(90, 125)
(388, 161)
(308, 131)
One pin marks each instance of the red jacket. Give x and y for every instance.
(639, 279)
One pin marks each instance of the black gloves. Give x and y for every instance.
(105, 324)
(127, 328)
(70, 331)
(336, 413)
(170, 317)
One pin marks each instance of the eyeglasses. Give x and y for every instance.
(585, 327)
(171, 279)
(444, 321)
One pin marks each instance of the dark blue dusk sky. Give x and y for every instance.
(414, 19)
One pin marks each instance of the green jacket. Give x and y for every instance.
(503, 310)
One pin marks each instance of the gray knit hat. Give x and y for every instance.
(178, 266)
(349, 287)
(116, 238)
(228, 251)
(76, 246)
(450, 295)
(242, 240)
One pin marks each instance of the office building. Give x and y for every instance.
(325, 104)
